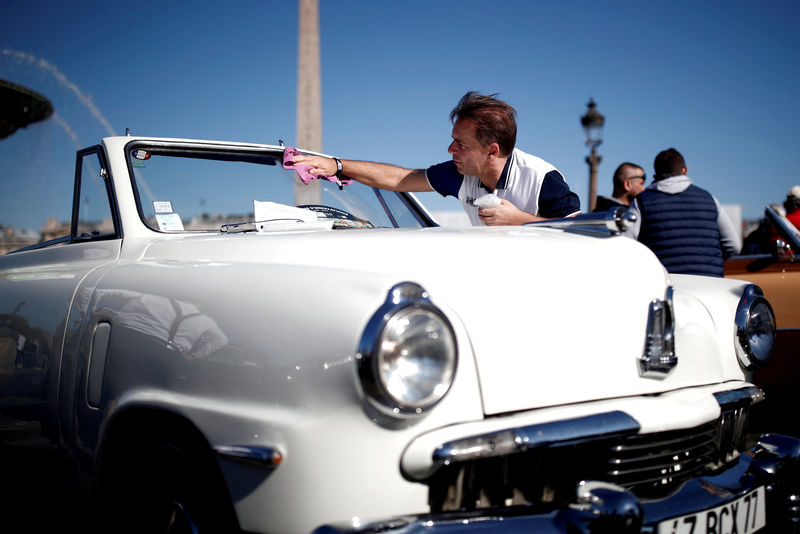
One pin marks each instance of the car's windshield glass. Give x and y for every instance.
(214, 190)
(792, 232)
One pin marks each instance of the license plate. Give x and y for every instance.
(745, 515)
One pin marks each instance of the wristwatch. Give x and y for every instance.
(338, 166)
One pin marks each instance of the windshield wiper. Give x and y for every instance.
(234, 228)
(250, 226)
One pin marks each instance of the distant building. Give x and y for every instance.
(12, 239)
(53, 229)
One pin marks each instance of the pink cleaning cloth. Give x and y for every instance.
(303, 170)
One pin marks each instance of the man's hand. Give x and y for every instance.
(319, 164)
(380, 175)
(506, 214)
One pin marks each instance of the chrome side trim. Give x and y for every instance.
(263, 457)
(734, 398)
(515, 440)
(610, 222)
(659, 359)
(36, 246)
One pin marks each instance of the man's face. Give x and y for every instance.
(634, 179)
(469, 156)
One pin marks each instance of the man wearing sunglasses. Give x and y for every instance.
(628, 182)
(684, 225)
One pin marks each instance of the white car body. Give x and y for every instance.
(253, 340)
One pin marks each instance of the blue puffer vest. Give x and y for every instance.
(682, 230)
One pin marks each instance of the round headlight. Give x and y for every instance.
(415, 357)
(407, 355)
(755, 329)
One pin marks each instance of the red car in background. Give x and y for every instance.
(771, 259)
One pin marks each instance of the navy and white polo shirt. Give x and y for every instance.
(528, 182)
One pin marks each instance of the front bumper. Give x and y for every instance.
(773, 463)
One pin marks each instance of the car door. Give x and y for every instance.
(38, 289)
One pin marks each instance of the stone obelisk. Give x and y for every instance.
(309, 95)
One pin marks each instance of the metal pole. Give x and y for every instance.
(594, 161)
(592, 124)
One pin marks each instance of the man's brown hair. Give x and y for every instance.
(495, 120)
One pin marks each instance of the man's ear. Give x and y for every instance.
(494, 150)
(685, 171)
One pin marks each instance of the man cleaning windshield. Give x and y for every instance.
(485, 161)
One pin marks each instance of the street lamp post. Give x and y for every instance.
(593, 127)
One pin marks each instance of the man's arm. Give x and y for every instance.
(555, 201)
(729, 238)
(380, 175)
(506, 214)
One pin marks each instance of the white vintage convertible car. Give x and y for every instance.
(220, 347)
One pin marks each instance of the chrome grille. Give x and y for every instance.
(650, 465)
(647, 463)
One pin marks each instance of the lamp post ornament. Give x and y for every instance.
(592, 124)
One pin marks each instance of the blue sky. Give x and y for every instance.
(716, 80)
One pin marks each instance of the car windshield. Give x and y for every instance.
(791, 232)
(224, 189)
(773, 228)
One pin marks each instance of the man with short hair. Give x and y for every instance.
(628, 182)
(681, 223)
(484, 161)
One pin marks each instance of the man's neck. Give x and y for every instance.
(493, 173)
(624, 199)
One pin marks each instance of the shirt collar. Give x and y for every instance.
(502, 183)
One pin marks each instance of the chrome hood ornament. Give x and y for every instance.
(659, 359)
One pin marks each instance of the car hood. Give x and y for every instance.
(550, 316)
